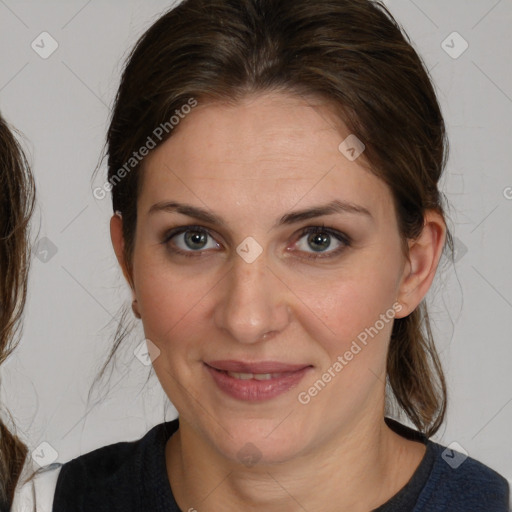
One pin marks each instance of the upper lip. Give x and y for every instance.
(255, 367)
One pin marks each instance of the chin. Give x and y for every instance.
(255, 442)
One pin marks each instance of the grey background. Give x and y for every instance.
(61, 105)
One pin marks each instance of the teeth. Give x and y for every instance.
(247, 376)
(241, 376)
(263, 376)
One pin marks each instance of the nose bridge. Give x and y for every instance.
(253, 302)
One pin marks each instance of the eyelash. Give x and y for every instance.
(341, 237)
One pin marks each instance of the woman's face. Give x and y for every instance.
(238, 262)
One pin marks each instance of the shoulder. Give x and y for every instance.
(460, 483)
(454, 481)
(109, 476)
(36, 488)
(64, 486)
(109, 462)
(98, 480)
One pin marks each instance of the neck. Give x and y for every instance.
(355, 470)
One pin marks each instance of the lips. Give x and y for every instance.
(256, 367)
(255, 381)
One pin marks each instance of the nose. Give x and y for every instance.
(253, 301)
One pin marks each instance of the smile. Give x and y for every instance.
(255, 386)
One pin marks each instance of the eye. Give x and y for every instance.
(189, 240)
(319, 240)
(315, 241)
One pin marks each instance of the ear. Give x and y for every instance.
(116, 235)
(420, 269)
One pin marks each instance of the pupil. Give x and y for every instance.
(194, 238)
(320, 240)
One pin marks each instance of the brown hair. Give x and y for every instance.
(351, 53)
(17, 196)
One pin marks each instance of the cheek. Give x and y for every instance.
(169, 300)
(171, 310)
(353, 335)
(338, 307)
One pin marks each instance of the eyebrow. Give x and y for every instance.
(204, 215)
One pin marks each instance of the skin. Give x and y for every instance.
(250, 164)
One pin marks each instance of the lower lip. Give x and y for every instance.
(253, 390)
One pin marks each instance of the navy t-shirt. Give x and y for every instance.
(132, 476)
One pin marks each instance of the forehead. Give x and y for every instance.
(264, 147)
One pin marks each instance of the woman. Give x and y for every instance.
(274, 169)
(16, 206)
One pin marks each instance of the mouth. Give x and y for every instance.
(256, 376)
(255, 381)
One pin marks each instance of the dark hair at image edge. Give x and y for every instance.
(17, 197)
(351, 54)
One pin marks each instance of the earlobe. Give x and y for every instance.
(135, 309)
(424, 255)
(116, 235)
